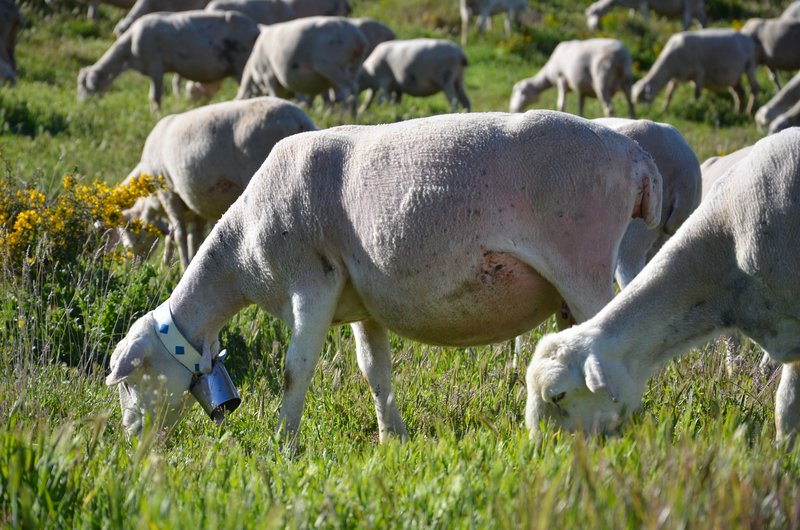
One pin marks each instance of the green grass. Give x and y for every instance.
(700, 453)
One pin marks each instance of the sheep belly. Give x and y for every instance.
(494, 297)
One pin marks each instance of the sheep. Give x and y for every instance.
(687, 9)
(731, 266)
(419, 67)
(779, 103)
(144, 7)
(11, 22)
(593, 67)
(710, 58)
(305, 56)
(198, 45)
(206, 157)
(790, 118)
(454, 229)
(484, 9)
(777, 44)
(274, 11)
(792, 12)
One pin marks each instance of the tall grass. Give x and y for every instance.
(700, 453)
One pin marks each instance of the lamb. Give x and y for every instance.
(777, 44)
(484, 9)
(11, 22)
(144, 7)
(594, 67)
(419, 67)
(731, 266)
(685, 9)
(306, 56)
(219, 45)
(710, 58)
(780, 103)
(207, 156)
(274, 11)
(455, 229)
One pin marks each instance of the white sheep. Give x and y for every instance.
(780, 103)
(306, 56)
(11, 22)
(777, 44)
(711, 58)
(144, 7)
(206, 157)
(792, 12)
(484, 10)
(199, 45)
(686, 10)
(418, 67)
(594, 67)
(274, 11)
(731, 266)
(455, 229)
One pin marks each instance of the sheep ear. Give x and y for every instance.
(594, 373)
(125, 360)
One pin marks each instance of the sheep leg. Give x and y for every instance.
(787, 402)
(755, 89)
(464, 10)
(509, 22)
(367, 100)
(374, 361)
(668, 96)
(461, 93)
(773, 75)
(196, 235)
(483, 20)
(176, 84)
(156, 89)
(631, 108)
(738, 94)
(176, 212)
(312, 313)
(562, 94)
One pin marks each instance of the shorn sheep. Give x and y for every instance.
(731, 266)
(686, 10)
(711, 58)
(594, 67)
(353, 224)
(418, 67)
(207, 156)
(198, 45)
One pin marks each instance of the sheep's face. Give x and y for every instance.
(577, 390)
(522, 96)
(151, 382)
(90, 83)
(642, 92)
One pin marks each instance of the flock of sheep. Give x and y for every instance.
(459, 229)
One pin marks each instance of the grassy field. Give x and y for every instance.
(700, 453)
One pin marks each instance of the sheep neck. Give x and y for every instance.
(115, 60)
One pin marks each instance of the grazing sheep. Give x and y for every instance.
(144, 7)
(792, 12)
(419, 67)
(594, 67)
(207, 156)
(198, 45)
(484, 9)
(456, 229)
(305, 56)
(274, 11)
(790, 118)
(684, 9)
(731, 266)
(780, 103)
(11, 22)
(777, 44)
(710, 58)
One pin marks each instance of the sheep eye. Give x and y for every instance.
(559, 397)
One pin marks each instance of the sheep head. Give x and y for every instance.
(643, 91)
(572, 385)
(523, 95)
(90, 83)
(151, 382)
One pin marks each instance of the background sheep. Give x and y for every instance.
(305, 56)
(710, 58)
(594, 67)
(218, 45)
(228, 142)
(780, 103)
(732, 265)
(10, 23)
(350, 225)
(484, 10)
(777, 44)
(684, 9)
(144, 7)
(419, 67)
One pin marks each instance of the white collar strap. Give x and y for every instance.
(172, 339)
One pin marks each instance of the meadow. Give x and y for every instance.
(701, 453)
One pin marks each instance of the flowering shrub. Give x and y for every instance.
(65, 223)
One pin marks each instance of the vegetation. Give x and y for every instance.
(700, 453)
